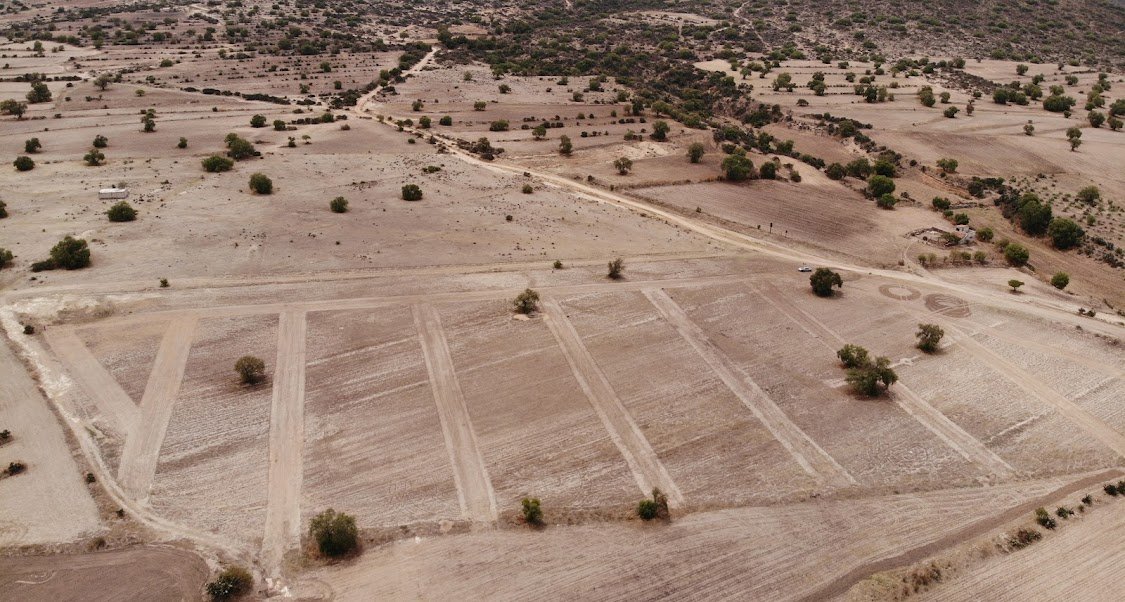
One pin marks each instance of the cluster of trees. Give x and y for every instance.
(867, 376)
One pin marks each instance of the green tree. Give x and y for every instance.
(1095, 118)
(737, 166)
(39, 93)
(182, 143)
(929, 337)
(835, 171)
(24, 163)
(6, 257)
(539, 132)
(479, 105)
(886, 201)
(238, 148)
(1064, 233)
(1074, 137)
(261, 184)
(217, 163)
(1016, 254)
(853, 356)
(822, 281)
(70, 254)
(527, 302)
(660, 131)
(279, 125)
(1060, 280)
(532, 512)
(94, 158)
(234, 582)
(947, 165)
(13, 107)
(1089, 195)
(1034, 215)
(258, 121)
(251, 370)
(338, 205)
(411, 192)
(32, 146)
(424, 122)
(879, 185)
(565, 146)
(121, 212)
(1015, 284)
(696, 151)
(768, 170)
(623, 165)
(616, 267)
(103, 80)
(100, 141)
(445, 120)
(335, 533)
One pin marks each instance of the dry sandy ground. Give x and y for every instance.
(50, 502)
(163, 574)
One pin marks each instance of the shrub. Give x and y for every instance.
(886, 201)
(335, 533)
(24, 163)
(1024, 537)
(1044, 519)
(258, 121)
(565, 146)
(479, 105)
(853, 356)
(70, 254)
(32, 146)
(660, 131)
(623, 165)
(424, 122)
(527, 302)
(1064, 233)
(872, 378)
(239, 148)
(1016, 254)
(446, 120)
(929, 336)
(879, 185)
(1089, 195)
(100, 141)
(6, 257)
(1111, 489)
(500, 125)
(94, 158)
(230, 584)
(527, 189)
(947, 165)
(121, 212)
(532, 512)
(163, 283)
(1060, 280)
(737, 166)
(261, 184)
(251, 370)
(615, 268)
(28, 329)
(411, 192)
(768, 170)
(558, 265)
(182, 143)
(646, 509)
(1015, 284)
(14, 468)
(985, 234)
(338, 205)
(217, 163)
(822, 281)
(696, 151)
(3, 210)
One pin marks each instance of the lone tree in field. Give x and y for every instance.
(822, 281)
(234, 582)
(660, 131)
(70, 254)
(695, 152)
(251, 370)
(1060, 280)
(261, 184)
(1074, 136)
(258, 121)
(103, 81)
(929, 336)
(527, 302)
(867, 377)
(94, 158)
(623, 165)
(338, 205)
(335, 533)
(737, 166)
(615, 268)
(657, 507)
(539, 132)
(1016, 254)
(239, 148)
(1015, 284)
(411, 192)
(121, 212)
(532, 512)
(24, 163)
(32, 146)
(13, 107)
(947, 165)
(217, 163)
(100, 141)
(565, 146)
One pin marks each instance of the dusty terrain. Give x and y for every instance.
(401, 387)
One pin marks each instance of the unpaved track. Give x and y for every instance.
(474, 487)
(142, 448)
(969, 532)
(98, 383)
(1114, 371)
(647, 469)
(927, 415)
(1037, 389)
(287, 436)
(814, 460)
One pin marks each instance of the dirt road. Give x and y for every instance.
(474, 487)
(107, 394)
(812, 458)
(647, 469)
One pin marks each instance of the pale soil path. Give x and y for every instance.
(927, 415)
(97, 382)
(287, 435)
(1037, 389)
(814, 460)
(1078, 358)
(49, 503)
(969, 532)
(474, 487)
(646, 467)
(142, 447)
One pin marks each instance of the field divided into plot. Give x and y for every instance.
(713, 447)
(373, 441)
(537, 432)
(213, 464)
(127, 354)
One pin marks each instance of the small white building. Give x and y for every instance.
(967, 234)
(113, 193)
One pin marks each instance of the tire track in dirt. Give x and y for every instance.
(645, 465)
(474, 486)
(142, 447)
(927, 415)
(814, 460)
(97, 382)
(287, 433)
(840, 585)
(1044, 393)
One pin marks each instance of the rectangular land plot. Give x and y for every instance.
(712, 445)
(213, 464)
(536, 430)
(876, 441)
(1105, 403)
(126, 353)
(373, 439)
(1062, 374)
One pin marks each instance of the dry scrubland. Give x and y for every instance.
(402, 389)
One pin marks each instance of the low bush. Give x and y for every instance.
(232, 583)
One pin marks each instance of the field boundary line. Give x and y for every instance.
(141, 451)
(474, 486)
(287, 437)
(647, 469)
(106, 393)
(812, 458)
(957, 438)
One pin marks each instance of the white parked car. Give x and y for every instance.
(804, 268)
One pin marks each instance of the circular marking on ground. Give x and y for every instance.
(954, 307)
(900, 292)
